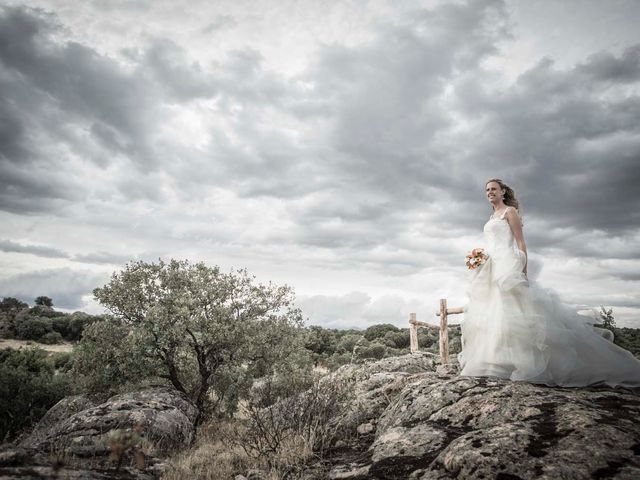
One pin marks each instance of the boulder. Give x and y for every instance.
(375, 385)
(420, 420)
(126, 431)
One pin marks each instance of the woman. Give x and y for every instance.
(514, 329)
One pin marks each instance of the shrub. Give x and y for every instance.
(28, 388)
(12, 305)
(379, 331)
(375, 350)
(62, 361)
(336, 360)
(44, 311)
(399, 339)
(348, 342)
(51, 338)
(71, 326)
(294, 412)
(32, 328)
(320, 341)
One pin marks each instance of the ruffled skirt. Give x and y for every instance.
(514, 329)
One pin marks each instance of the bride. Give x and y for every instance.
(514, 329)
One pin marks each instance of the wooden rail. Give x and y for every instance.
(444, 331)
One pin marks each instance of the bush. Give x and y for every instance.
(378, 331)
(292, 416)
(375, 350)
(51, 338)
(348, 342)
(29, 386)
(12, 305)
(399, 339)
(32, 328)
(336, 360)
(62, 361)
(45, 311)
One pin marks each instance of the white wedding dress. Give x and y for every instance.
(514, 329)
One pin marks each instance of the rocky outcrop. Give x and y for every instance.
(110, 438)
(375, 385)
(163, 417)
(421, 420)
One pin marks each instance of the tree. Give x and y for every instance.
(320, 341)
(197, 325)
(45, 301)
(12, 305)
(378, 331)
(607, 318)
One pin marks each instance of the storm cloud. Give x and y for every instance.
(342, 150)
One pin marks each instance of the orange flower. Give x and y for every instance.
(476, 258)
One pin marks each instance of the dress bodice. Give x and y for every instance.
(506, 260)
(498, 235)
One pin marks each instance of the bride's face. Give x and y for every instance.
(494, 192)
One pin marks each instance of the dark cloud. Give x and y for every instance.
(65, 286)
(98, 258)
(605, 67)
(42, 251)
(88, 87)
(375, 153)
(568, 147)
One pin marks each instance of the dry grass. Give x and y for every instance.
(212, 457)
(18, 344)
(218, 454)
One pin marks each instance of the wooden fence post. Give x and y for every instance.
(444, 332)
(413, 332)
(443, 329)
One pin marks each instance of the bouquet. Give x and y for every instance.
(476, 258)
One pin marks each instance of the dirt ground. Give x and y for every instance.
(11, 343)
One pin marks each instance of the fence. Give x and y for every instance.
(444, 332)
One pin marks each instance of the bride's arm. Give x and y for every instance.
(516, 227)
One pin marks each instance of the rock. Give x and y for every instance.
(62, 410)
(13, 457)
(144, 425)
(471, 428)
(377, 383)
(40, 472)
(416, 419)
(351, 472)
(365, 428)
(21, 464)
(448, 369)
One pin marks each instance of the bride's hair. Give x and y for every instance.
(509, 195)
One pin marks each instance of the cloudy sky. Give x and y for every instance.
(340, 147)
